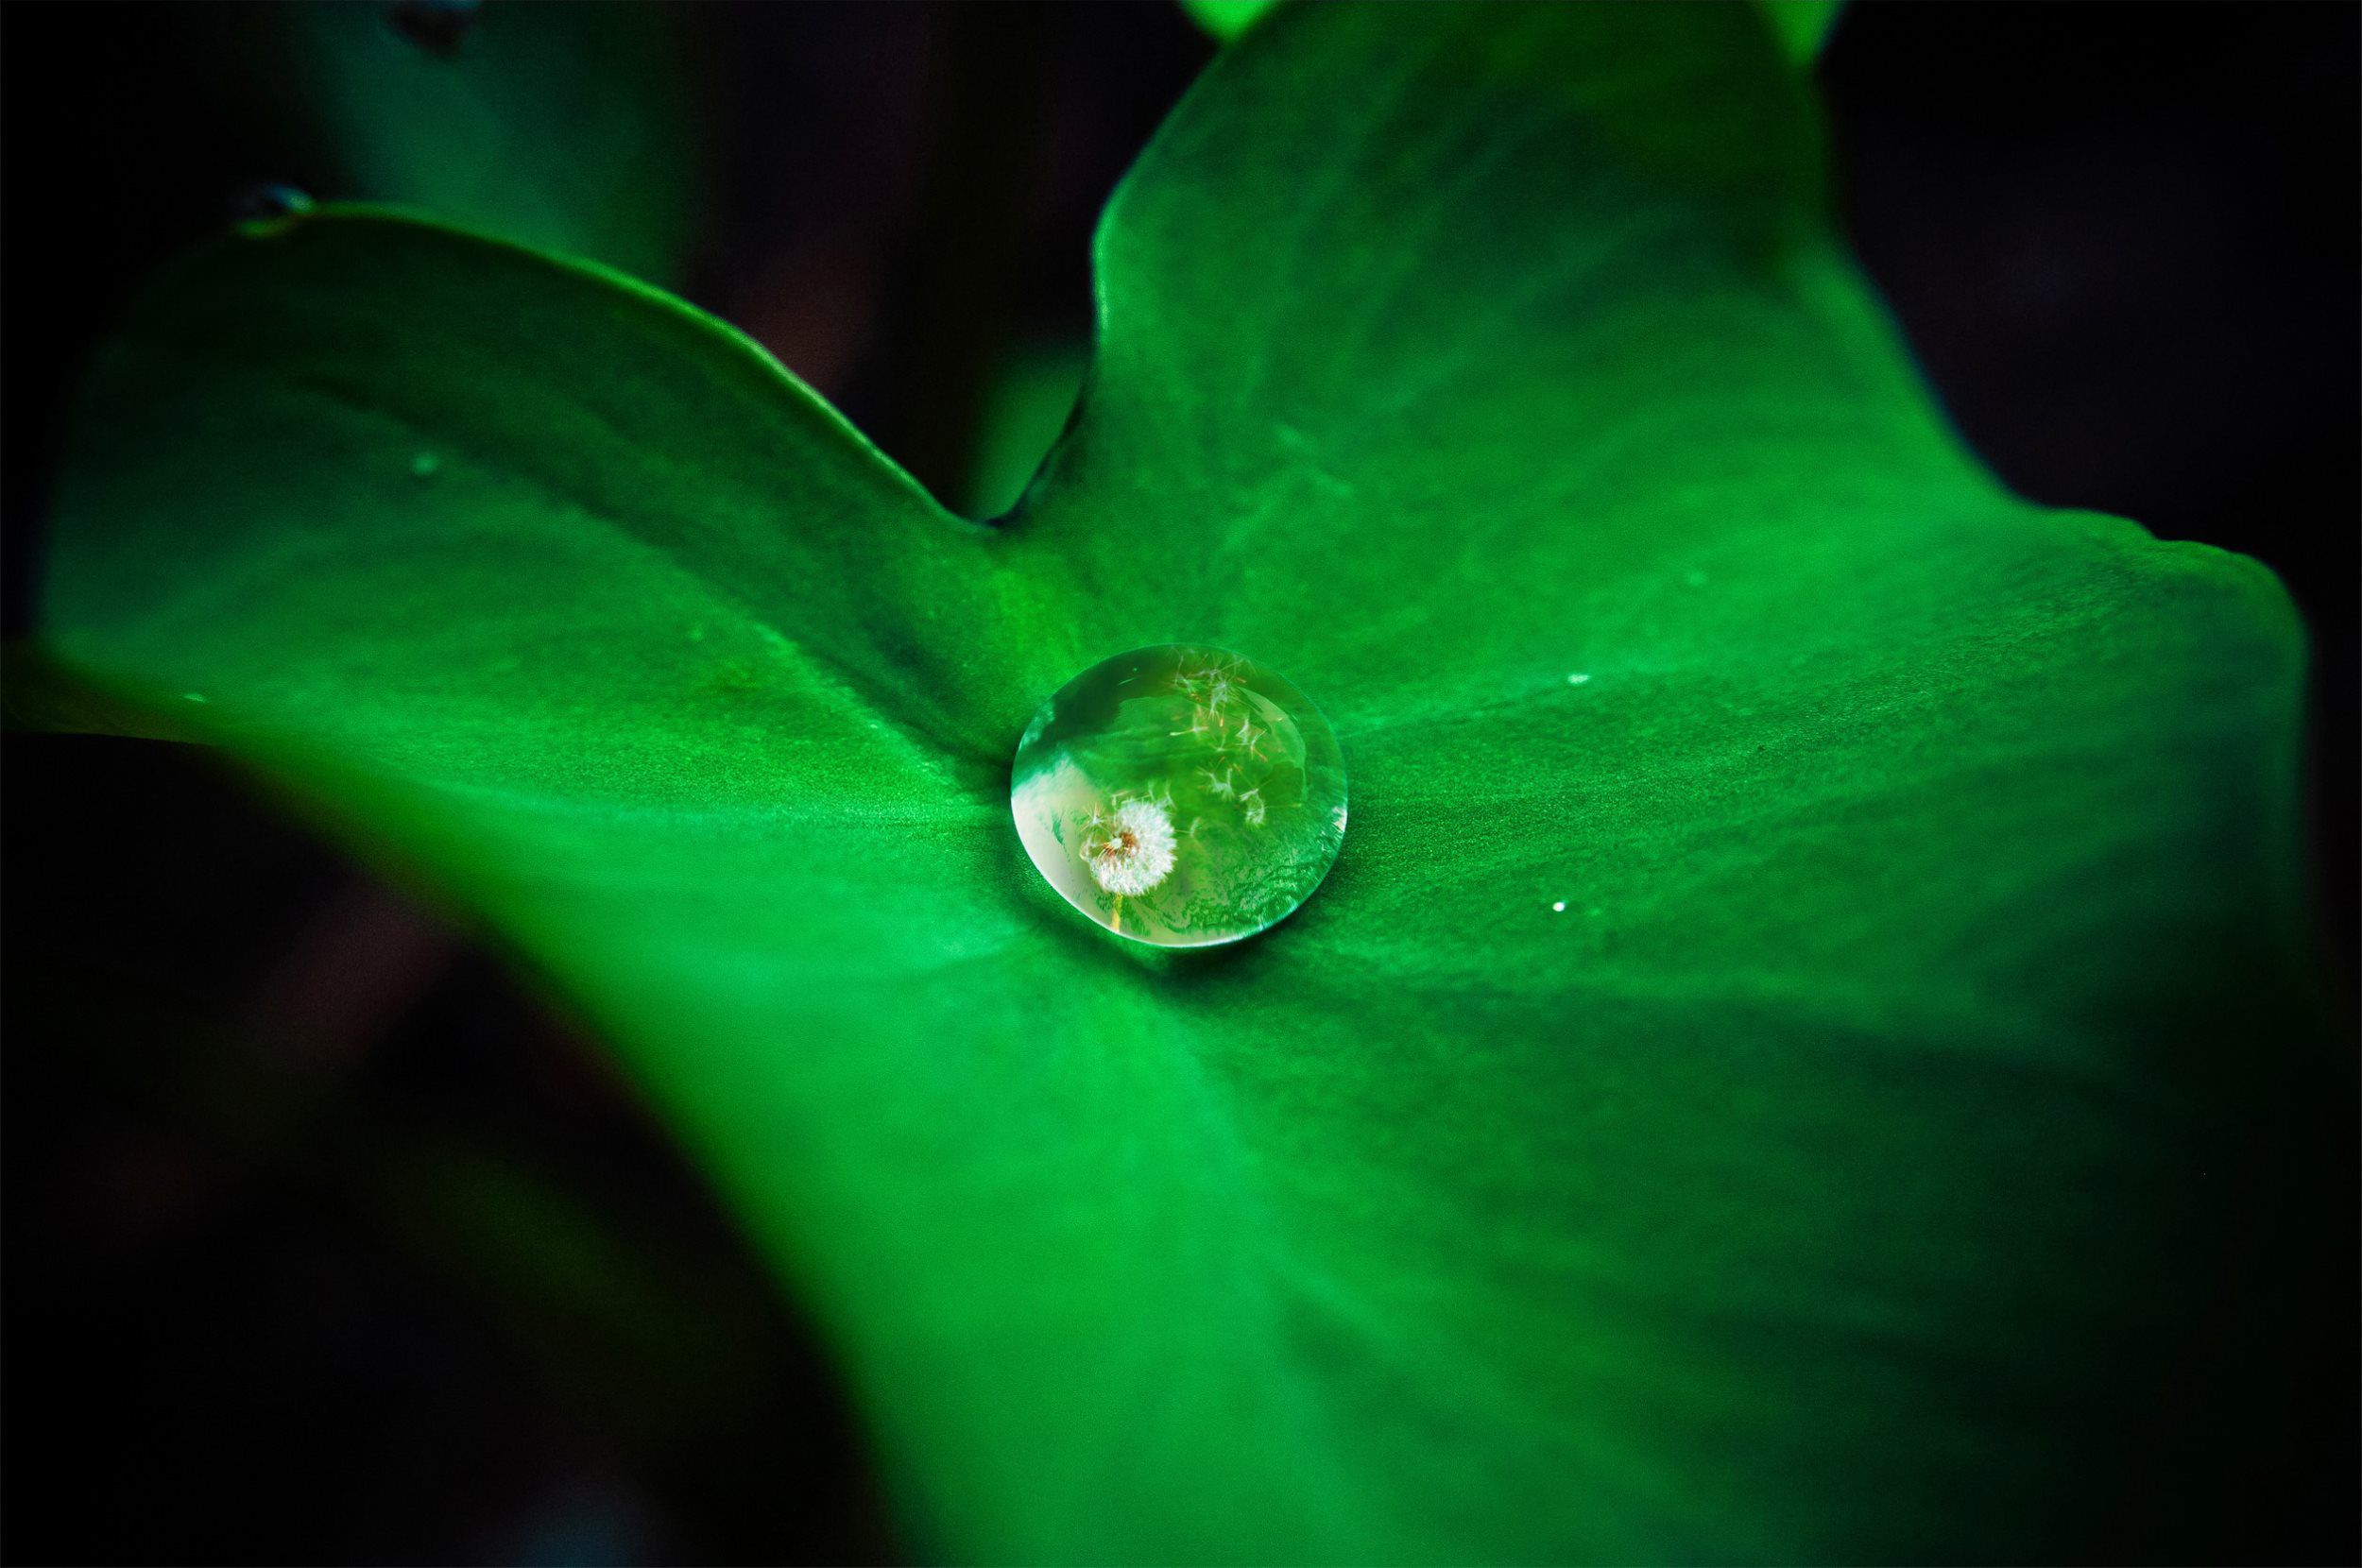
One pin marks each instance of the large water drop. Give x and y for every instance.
(1180, 795)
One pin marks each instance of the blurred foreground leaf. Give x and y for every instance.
(1809, 1052)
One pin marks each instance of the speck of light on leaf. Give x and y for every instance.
(1559, 908)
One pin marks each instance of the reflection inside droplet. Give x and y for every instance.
(1180, 795)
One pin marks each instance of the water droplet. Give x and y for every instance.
(1559, 907)
(268, 203)
(438, 26)
(1180, 795)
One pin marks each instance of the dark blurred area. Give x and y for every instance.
(326, 1240)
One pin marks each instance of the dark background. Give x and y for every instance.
(326, 1241)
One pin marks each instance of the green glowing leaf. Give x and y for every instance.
(1807, 1052)
(1226, 19)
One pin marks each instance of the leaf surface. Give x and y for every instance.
(1812, 1004)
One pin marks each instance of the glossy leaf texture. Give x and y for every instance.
(1808, 1052)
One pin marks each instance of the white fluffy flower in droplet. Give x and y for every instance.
(1131, 851)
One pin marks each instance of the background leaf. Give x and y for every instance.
(1226, 19)
(562, 125)
(1923, 1057)
(1026, 406)
(1801, 26)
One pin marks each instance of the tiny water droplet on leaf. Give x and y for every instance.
(1180, 795)
(266, 202)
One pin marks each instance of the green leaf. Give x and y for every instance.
(1812, 1017)
(37, 697)
(1226, 19)
(1801, 26)
(1026, 404)
(558, 124)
